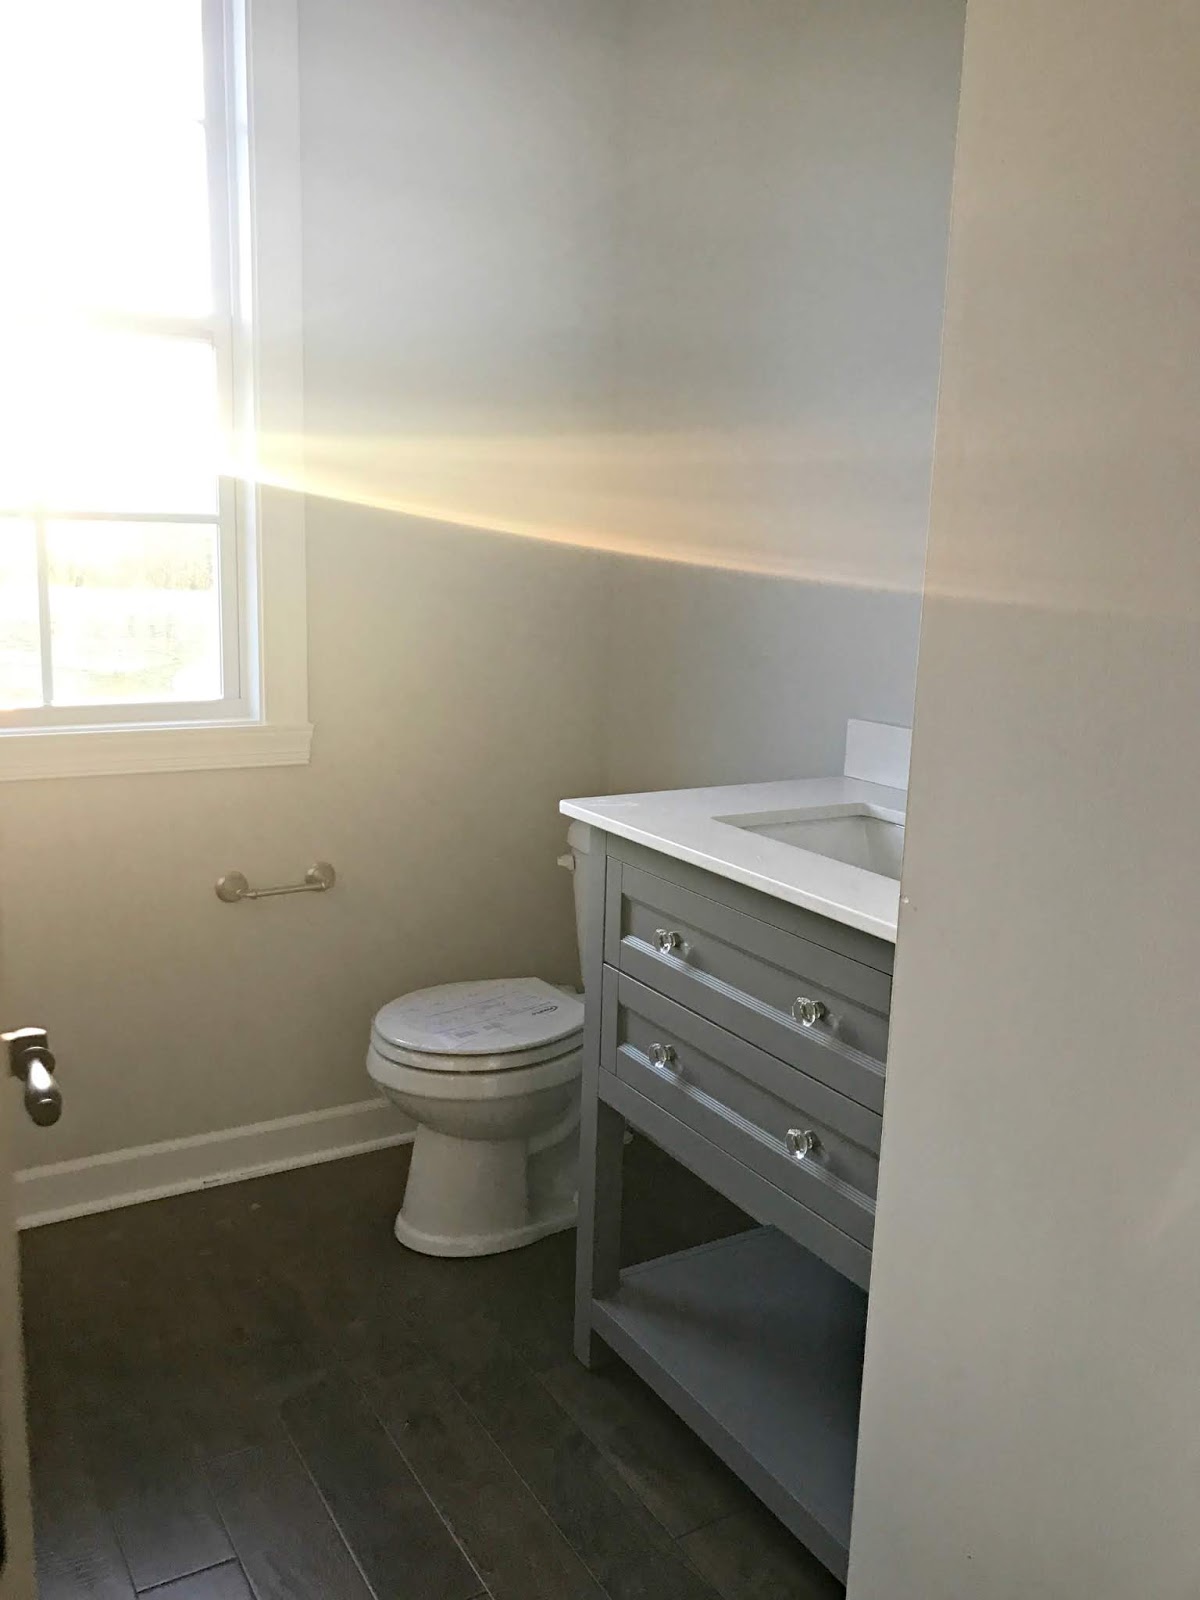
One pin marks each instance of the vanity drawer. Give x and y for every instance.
(816, 1145)
(752, 977)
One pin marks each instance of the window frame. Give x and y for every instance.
(253, 144)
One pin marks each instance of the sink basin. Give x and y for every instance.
(858, 835)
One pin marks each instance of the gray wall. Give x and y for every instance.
(458, 170)
(1032, 1403)
(783, 198)
(724, 677)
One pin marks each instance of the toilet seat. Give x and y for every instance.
(481, 1029)
(441, 1081)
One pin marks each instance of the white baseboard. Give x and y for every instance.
(151, 1171)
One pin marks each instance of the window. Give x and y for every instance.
(136, 562)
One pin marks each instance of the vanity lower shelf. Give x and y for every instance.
(757, 1344)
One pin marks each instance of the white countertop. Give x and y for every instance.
(684, 823)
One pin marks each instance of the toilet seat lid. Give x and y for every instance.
(488, 1018)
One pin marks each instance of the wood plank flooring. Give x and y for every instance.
(255, 1393)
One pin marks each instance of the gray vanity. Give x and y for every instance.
(746, 1036)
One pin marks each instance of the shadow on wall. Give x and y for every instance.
(703, 674)
(758, 590)
(723, 677)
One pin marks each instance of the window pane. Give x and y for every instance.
(20, 658)
(112, 218)
(134, 612)
(108, 422)
(73, 61)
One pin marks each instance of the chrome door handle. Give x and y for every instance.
(666, 940)
(809, 1012)
(31, 1059)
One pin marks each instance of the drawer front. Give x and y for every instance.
(815, 1144)
(752, 978)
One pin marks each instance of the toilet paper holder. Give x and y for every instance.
(233, 886)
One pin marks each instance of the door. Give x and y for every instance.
(30, 1060)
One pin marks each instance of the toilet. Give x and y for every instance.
(489, 1071)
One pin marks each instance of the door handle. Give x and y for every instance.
(31, 1059)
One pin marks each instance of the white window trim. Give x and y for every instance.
(274, 592)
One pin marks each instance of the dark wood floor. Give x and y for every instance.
(256, 1391)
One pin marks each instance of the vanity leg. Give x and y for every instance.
(598, 1259)
(601, 1129)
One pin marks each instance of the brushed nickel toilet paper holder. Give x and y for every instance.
(233, 886)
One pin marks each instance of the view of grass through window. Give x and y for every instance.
(133, 611)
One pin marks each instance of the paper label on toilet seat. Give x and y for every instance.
(494, 1017)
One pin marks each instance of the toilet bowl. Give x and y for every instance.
(489, 1072)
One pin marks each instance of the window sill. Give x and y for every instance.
(98, 752)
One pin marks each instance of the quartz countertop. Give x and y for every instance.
(686, 824)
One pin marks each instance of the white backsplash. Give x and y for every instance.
(877, 752)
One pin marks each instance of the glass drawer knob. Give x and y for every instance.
(667, 940)
(662, 1055)
(802, 1142)
(807, 1012)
